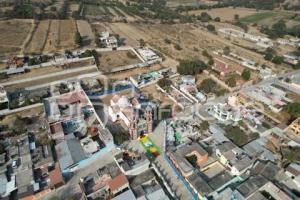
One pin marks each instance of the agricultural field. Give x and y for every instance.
(176, 3)
(251, 19)
(226, 14)
(38, 38)
(13, 35)
(112, 59)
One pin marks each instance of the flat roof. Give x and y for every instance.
(69, 152)
(200, 184)
(219, 180)
(128, 195)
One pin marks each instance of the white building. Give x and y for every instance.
(148, 55)
(108, 41)
(3, 99)
(225, 112)
(291, 59)
(258, 40)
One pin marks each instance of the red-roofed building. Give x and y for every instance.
(57, 132)
(223, 68)
(56, 179)
(118, 183)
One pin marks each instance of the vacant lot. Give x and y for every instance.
(192, 39)
(226, 14)
(67, 29)
(110, 60)
(53, 37)
(39, 37)
(61, 35)
(13, 34)
(86, 32)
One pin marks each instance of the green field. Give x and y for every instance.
(256, 17)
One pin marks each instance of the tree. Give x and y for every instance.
(211, 28)
(191, 67)
(210, 62)
(293, 109)
(217, 19)
(269, 53)
(231, 82)
(178, 47)
(246, 74)
(268, 56)
(208, 86)
(278, 60)
(78, 39)
(164, 83)
(279, 28)
(236, 17)
(204, 125)
(168, 41)
(192, 159)
(226, 50)
(204, 17)
(142, 43)
(297, 66)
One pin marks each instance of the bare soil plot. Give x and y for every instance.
(126, 74)
(39, 37)
(13, 34)
(226, 14)
(61, 35)
(67, 30)
(110, 60)
(53, 37)
(86, 32)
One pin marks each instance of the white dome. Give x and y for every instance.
(124, 102)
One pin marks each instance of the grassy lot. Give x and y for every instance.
(238, 136)
(256, 17)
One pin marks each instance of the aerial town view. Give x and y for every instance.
(150, 99)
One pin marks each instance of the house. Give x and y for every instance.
(222, 68)
(148, 55)
(69, 153)
(145, 186)
(125, 195)
(233, 157)
(225, 112)
(180, 157)
(3, 99)
(104, 182)
(132, 163)
(108, 41)
(293, 170)
(291, 59)
(293, 130)
(257, 187)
